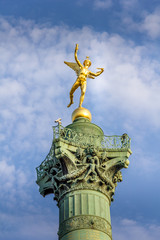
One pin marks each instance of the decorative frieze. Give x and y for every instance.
(85, 222)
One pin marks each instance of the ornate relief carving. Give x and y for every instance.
(76, 163)
(85, 222)
(69, 168)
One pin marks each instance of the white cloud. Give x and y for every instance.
(151, 24)
(130, 80)
(124, 229)
(128, 4)
(147, 24)
(35, 88)
(143, 162)
(7, 174)
(102, 4)
(35, 84)
(14, 182)
(36, 226)
(34, 91)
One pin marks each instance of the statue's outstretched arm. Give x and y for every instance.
(97, 73)
(75, 55)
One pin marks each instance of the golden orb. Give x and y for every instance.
(81, 112)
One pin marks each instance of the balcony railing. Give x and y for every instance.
(83, 139)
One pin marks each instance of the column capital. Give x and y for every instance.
(80, 160)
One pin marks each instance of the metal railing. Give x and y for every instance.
(83, 139)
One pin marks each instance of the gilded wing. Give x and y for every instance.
(74, 66)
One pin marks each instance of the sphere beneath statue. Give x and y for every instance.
(81, 112)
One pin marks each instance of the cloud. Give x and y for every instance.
(14, 182)
(151, 24)
(35, 84)
(148, 24)
(34, 91)
(130, 81)
(128, 4)
(37, 226)
(102, 4)
(124, 229)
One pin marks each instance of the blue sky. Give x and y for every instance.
(35, 38)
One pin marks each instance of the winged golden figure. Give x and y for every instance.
(82, 74)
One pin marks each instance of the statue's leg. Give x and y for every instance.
(74, 87)
(83, 90)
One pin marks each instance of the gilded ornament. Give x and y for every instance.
(83, 73)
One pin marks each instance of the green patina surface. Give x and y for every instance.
(84, 133)
(84, 209)
(82, 170)
(83, 125)
(86, 234)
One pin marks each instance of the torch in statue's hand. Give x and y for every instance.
(76, 46)
(102, 69)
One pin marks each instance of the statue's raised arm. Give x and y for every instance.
(83, 73)
(76, 58)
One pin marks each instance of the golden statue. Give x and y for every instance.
(83, 73)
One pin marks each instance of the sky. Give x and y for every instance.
(36, 37)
